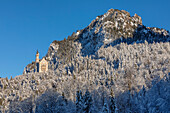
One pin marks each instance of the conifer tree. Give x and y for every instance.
(112, 102)
(79, 101)
(87, 102)
(105, 108)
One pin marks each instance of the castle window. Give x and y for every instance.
(43, 67)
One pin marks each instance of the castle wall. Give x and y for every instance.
(43, 65)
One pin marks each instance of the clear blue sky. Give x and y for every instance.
(28, 25)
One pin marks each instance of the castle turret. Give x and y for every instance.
(37, 62)
(37, 57)
(40, 65)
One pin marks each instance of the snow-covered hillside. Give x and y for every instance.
(115, 64)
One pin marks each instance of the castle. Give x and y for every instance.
(41, 65)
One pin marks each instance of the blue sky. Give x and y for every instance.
(28, 25)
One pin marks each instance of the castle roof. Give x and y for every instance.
(37, 52)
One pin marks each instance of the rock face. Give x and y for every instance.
(116, 63)
(114, 27)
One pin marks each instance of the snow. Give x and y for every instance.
(95, 72)
(124, 25)
(116, 24)
(88, 44)
(54, 46)
(121, 38)
(145, 31)
(131, 23)
(108, 22)
(107, 40)
(77, 33)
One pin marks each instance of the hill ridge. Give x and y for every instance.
(98, 66)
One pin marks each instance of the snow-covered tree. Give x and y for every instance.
(79, 101)
(87, 102)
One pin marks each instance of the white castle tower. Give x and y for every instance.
(41, 65)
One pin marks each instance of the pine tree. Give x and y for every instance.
(79, 101)
(112, 105)
(105, 108)
(87, 102)
(112, 102)
(144, 91)
(64, 99)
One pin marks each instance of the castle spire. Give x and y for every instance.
(37, 57)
